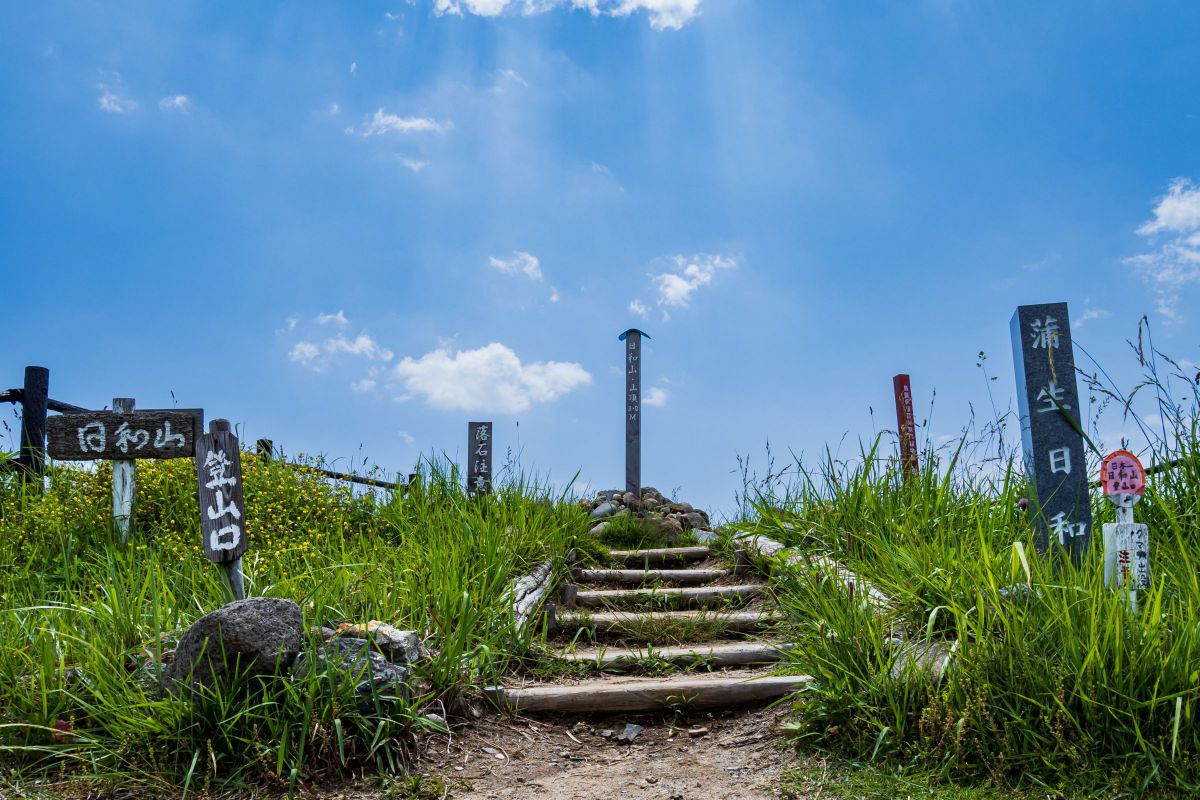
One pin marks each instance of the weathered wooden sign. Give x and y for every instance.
(633, 409)
(222, 507)
(111, 435)
(1051, 434)
(1126, 543)
(479, 458)
(906, 424)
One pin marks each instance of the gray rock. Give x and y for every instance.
(694, 519)
(630, 499)
(604, 510)
(651, 502)
(667, 527)
(347, 660)
(629, 734)
(650, 491)
(599, 529)
(397, 646)
(259, 635)
(606, 733)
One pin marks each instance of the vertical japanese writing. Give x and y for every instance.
(1050, 427)
(906, 425)
(479, 457)
(222, 505)
(633, 409)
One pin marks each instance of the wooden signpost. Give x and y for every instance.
(633, 409)
(1051, 434)
(906, 425)
(479, 458)
(123, 436)
(222, 506)
(1126, 543)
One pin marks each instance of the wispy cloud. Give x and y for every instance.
(383, 123)
(175, 102)
(489, 379)
(406, 437)
(639, 308)
(1089, 314)
(412, 164)
(316, 355)
(113, 98)
(689, 273)
(338, 319)
(656, 396)
(520, 262)
(364, 386)
(663, 14)
(554, 298)
(1175, 265)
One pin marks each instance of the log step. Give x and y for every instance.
(638, 622)
(661, 556)
(691, 596)
(732, 654)
(640, 577)
(692, 692)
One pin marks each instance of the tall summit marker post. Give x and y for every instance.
(906, 425)
(633, 409)
(1051, 434)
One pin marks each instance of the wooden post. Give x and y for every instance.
(35, 395)
(1051, 432)
(633, 410)
(222, 505)
(479, 458)
(906, 425)
(123, 480)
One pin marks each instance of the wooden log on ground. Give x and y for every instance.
(644, 576)
(696, 596)
(730, 654)
(659, 557)
(625, 621)
(528, 592)
(651, 695)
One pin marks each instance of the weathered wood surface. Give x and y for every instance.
(661, 556)
(222, 506)
(618, 621)
(649, 695)
(731, 654)
(528, 592)
(124, 471)
(644, 576)
(34, 396)
(689, 595)
(112, 435)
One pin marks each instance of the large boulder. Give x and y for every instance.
(257, 635)
(347, 660)
(667, 527)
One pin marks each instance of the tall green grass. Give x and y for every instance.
(83, 620)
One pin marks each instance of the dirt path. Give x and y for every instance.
(736, 754)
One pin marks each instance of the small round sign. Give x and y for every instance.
(1122, 478)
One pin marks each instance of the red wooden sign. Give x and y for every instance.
(906, 424)
(1122, 473)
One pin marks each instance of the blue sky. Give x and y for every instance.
(354, 227)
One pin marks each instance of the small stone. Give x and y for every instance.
(630, 733)
(697, 731)
(351, 660)
(494, 753)
(599, 529)
(397, 646)
(667, 527)
(651, 502)
(616, 496)
(651, 779)
(437, 720)
(694, 519)
(606, 733)
(604, 510)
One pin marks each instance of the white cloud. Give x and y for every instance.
(639, 308)
(406, 437)
(353, 67)
(383, 123)
(338, 319)
(520, 261)
(412, 164)
(114, 103)
(512, 76)
(1088, 315)
(334, 109)
(1176, 263)
(676, 288)
(656, 396)
(663, 14)
(363, 386)
(361, 345)
(554, 295)
(175, 102)
(488, 379)
(305, 354)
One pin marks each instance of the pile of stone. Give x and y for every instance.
(661, 515)
(264, 635)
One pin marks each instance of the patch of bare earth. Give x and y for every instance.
(734, 754)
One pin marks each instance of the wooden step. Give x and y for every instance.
(690, 596)
(730, 654)
(659, 557)
(683, 691)
(627, 621)
(640, 577)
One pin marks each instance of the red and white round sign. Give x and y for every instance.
(1122, 474)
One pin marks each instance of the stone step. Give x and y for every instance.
(660, 556)
(717, 690)
(726, 654)
(687, 596)
(641, 577)
(636, 622)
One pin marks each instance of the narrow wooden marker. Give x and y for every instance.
(34, 397)
(906, 425)
(1051, 433)
(479, 458)
(633, 409)
(1126, 543)
(222, 506)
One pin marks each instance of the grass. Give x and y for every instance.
(845, 781)
(84, 620)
